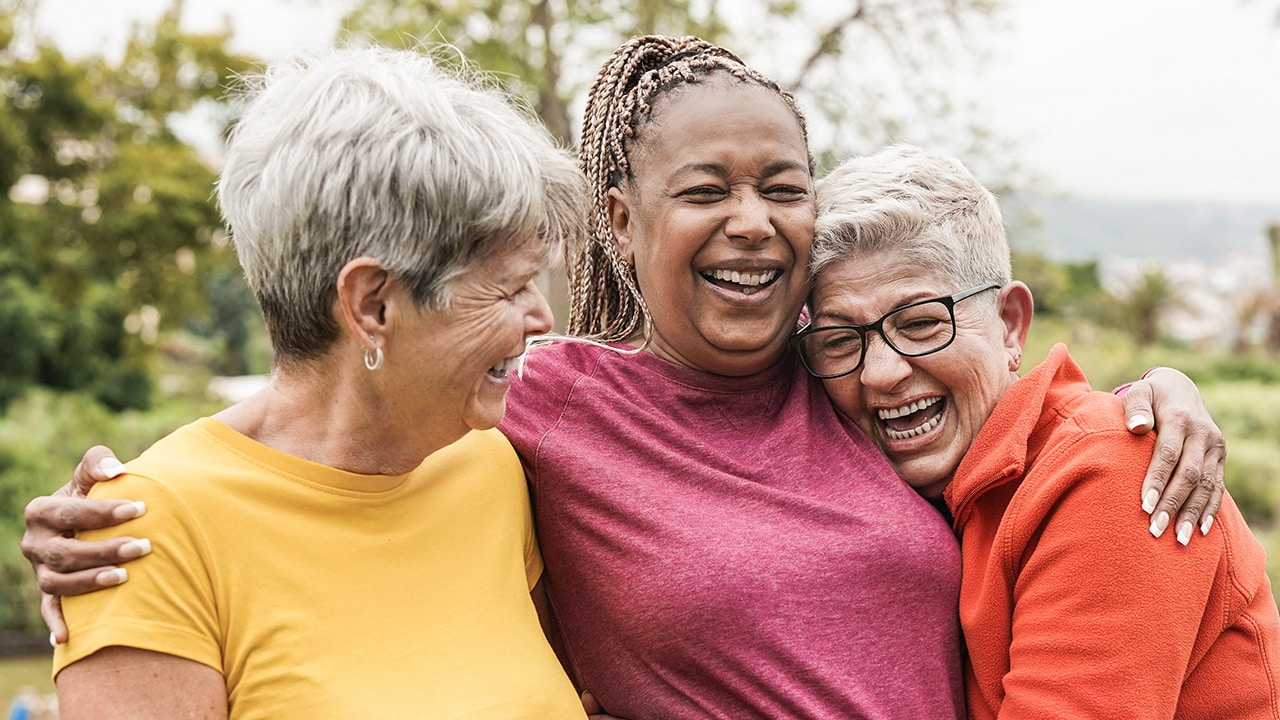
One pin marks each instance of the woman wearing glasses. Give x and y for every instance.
(1066, 611)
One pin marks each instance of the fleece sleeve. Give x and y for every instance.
(1105, 616)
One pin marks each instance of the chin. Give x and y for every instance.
(929, 481)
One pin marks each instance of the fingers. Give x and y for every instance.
(98, 464)
(590, 704)
(1194, 487)
(51, 611)
(69, 514)
(1206, 498)
(62, 584)
(60, 554)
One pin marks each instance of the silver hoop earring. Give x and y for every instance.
(373, 361)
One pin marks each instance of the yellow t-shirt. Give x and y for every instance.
(324, 594)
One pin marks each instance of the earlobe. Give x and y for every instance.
(619, 207)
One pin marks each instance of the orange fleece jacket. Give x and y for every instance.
(1070, 608)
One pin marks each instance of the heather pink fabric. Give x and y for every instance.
(731, 548)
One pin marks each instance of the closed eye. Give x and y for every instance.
(786, 192)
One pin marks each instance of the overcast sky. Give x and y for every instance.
(1138, 99)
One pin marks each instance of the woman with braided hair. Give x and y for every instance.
(719, 542)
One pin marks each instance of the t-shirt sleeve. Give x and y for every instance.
(168, 604)
(533, 565)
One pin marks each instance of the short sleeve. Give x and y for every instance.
(168, 604)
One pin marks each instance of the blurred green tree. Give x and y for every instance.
(1147, 304)
(108, 231)
(859, 66)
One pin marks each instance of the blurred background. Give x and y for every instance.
(1133, 146)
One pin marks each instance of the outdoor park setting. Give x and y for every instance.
(124, 312)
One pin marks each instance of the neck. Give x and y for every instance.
(333, 414)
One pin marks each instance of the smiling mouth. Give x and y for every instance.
(913, 419)
(504, 367)
(746, 283)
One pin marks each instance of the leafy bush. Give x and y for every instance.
(42, 438)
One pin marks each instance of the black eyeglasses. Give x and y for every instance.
(920, 328)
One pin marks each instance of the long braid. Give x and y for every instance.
(606, 303)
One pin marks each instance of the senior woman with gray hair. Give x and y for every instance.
(1068, 608)
(355, 540)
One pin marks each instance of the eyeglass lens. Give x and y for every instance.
(913, 330)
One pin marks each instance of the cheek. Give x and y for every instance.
(846, 394)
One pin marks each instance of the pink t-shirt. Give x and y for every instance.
(730, 547)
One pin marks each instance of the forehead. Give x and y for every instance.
(518, 256)
(861, 289)
(720, 115)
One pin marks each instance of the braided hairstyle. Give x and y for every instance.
(606, 304)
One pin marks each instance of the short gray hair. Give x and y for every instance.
(927, 206)
(383, 153)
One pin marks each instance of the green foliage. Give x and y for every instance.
(534, 48)
(111, 235)
(41, 439)
(1249, 414)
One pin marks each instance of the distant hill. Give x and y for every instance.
(1077, 229)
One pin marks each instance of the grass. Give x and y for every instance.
(19, 672)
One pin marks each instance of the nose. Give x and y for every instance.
(539, 319)
(882, 367)
(751, 220)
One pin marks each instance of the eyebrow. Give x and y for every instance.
(721, 170)
(839, 318)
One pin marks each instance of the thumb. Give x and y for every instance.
(1138, 416)
(99, 463)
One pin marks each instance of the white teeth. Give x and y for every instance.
(917, 406)
(507, 365)
(747, 279)
(903, 411)
(928, 425)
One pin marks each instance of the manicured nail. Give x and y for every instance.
(1149, 500)
(135, 549)
(53, 640)
(1206, 524)
(111, 467)
(1184, 532)
(1136, 421)
(110, 578)
(1160, 523)
(129, 510)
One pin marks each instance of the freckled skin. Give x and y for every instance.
(721, 181)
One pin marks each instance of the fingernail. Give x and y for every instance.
(1184, 532)
(111, 467)
(53, 640)
(1206, 524)
(1160, 523)
(1136, 421)
(1149, 500)
(129, 510)
(135, 549)
(110, 578)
